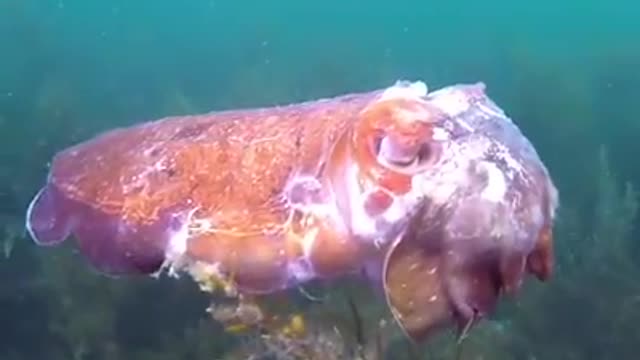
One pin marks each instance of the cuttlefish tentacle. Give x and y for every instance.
(428, 286)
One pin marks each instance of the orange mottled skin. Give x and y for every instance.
(227, 171)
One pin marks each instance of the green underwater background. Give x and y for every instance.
(568, 73)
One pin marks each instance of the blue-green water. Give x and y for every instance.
(568, 73)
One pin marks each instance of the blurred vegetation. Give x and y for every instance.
(580, 110)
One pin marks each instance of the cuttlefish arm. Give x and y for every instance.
(417, 285)
(486, 225)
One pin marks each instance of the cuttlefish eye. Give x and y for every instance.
(400, 158)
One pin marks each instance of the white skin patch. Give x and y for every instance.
(452, 102)
(496, 187)
(178, 239)
(308, 239)
(440, 134)
(492, 111)
(178, 242)
(361, 224)
(442, 184)
(514, 166)
(300, 270)
(405, 89)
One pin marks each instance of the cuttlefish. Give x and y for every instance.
(436, 196)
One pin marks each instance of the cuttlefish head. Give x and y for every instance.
(483, 223)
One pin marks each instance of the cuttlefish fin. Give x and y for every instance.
(414, 290)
